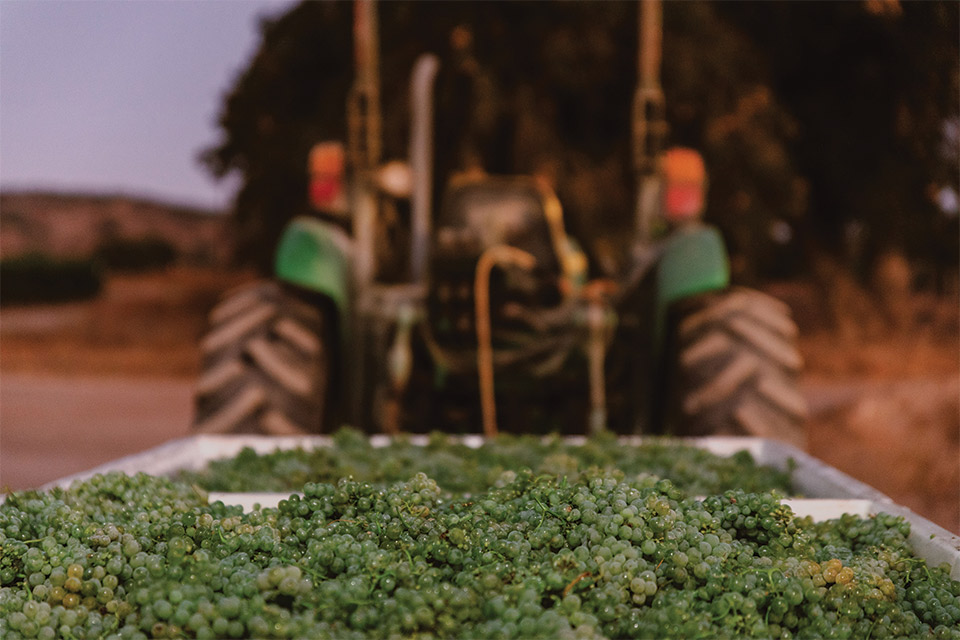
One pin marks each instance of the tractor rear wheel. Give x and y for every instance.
(266, 364)
(734, 368)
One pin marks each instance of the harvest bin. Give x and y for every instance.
(826, 492)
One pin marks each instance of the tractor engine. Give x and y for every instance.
(492, 217)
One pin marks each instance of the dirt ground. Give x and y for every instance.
(883, 384)
(140, 326)
(82, 384)
(55, 425)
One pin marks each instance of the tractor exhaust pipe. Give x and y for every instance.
(421, 163)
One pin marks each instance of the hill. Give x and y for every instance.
(74, 225)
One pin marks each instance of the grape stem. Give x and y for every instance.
(543, 512)
(573, 583)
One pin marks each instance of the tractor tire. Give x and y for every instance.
(266, 364)
(734, 367)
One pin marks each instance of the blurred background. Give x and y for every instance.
(151, 152)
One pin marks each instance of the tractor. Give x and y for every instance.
(494, 321)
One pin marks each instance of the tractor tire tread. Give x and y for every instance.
(265, 364)
(734, 368)
(234, 330)
(241, 405)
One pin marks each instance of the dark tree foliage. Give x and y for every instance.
(291, 96)
(719, 101)
(870, 86)
(809, 115)
(37, 278)
(133, 255)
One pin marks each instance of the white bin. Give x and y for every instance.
(826, 492)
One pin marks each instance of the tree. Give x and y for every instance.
(291, 96)
(870, 86)
(809, 116)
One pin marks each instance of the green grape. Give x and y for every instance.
(590, 552)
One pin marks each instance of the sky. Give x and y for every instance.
(120, 96)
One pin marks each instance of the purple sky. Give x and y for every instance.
(112, 96)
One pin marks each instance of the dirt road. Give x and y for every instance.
(53, 426)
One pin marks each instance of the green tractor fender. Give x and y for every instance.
(693, 261)
(316, 256)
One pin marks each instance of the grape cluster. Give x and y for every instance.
(602, 555)
(462, 469)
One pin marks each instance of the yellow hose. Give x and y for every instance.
(499, 254)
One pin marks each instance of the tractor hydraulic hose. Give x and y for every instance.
(496, 255)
